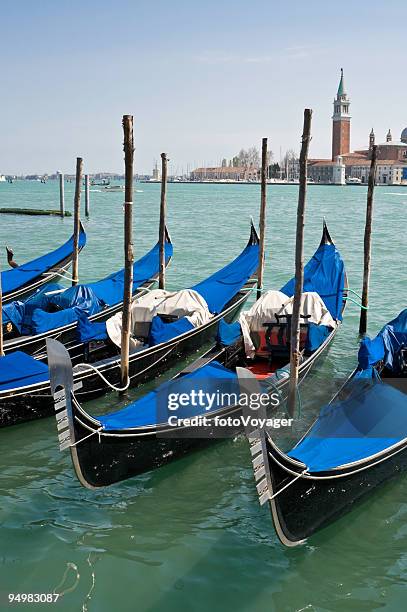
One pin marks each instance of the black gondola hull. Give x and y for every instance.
(126, 453)
(310, 504)
(37, 402)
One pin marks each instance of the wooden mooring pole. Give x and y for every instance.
(263, 202)
(61, 195)
(368, 243)
(299, 266)
(76, 221)
(128, 247)
(87, 202)
(163, 211)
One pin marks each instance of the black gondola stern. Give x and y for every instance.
(254, 236)
(167, 235)
(326, 236)
(62, 389)
(249, 385)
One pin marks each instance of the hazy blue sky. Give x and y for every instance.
(201, 79)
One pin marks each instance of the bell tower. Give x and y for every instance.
(341, 122)
(372, 139)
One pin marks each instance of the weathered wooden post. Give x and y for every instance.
(299, 265)
(61, 195)
(368, 243)
(128, 247)
(76, 221)
(263, 202)
(163, 211)
(87, 203)
(1, 320)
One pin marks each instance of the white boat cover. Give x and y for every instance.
(185, 303)
(311, 304)
(262, 311)
(276, 302)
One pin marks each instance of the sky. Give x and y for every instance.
(203, 80)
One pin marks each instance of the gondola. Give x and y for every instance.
(358, 442)
(24, 382)
(116, 446)
(23, 280)
(54, 311)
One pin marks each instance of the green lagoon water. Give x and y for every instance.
(192, 535)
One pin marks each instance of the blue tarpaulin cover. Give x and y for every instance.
(87, 330)
(19, 313)
(162, 332)
(19, 369)
(42, 321)
(371, 420)
(82, 296)
(386, 345)
(11, 280)
(110, 290)
(45, 310)
(324, 274)
(220, 287)
(153, 407)
(228, 333)
(315, 336)
(217, 290)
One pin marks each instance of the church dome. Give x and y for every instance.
(403, 136)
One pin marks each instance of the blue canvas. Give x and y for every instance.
(162, 332)
(324, 274)
(152, 407)
(19, 369)
(371, 420)
(222, 286)
(11, 280)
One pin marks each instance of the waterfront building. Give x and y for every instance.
(225, 173)
(346, 164)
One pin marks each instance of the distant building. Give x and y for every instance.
(344, 165)
(341, 122)
(225, 173)
(327, 172)
(156, 173)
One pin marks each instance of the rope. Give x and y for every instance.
(288, 485)
(252, 289)
(354, 292)
(355, 302)
(70, 278)
(86, 437)
(109, 384)
(91, 367)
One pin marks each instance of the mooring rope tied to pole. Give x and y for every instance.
(91, 367)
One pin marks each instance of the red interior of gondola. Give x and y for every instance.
(274, 354)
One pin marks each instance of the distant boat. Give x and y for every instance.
(103, 183)
(2, 178)
(113, 188)
(353, 181)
